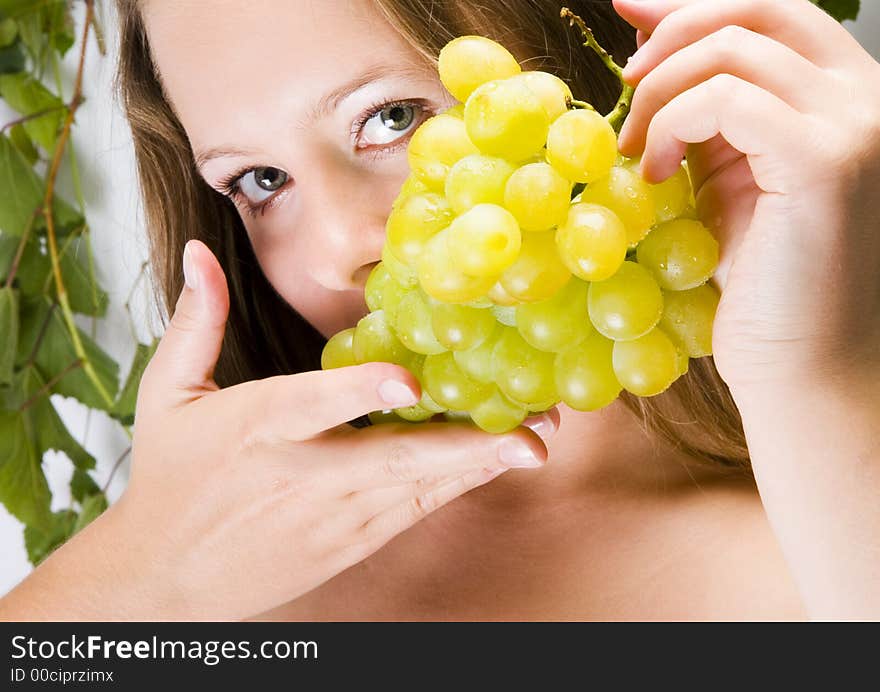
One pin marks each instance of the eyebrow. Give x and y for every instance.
(324, 106)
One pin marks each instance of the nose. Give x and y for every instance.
(345, 216)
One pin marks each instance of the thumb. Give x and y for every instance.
(187, 353)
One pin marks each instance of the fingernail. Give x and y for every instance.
(190, 274)
(517, 455)
(543, 425)
(396, 394)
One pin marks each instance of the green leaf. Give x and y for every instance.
(123, 409)
(11, 59)
(82, 485)
(56, 353)
(60, 26)
(22, 189)
(92, 507)
(41, 542)
(8, 332)
(841, 10)
(26, 95)
(8, 32)
(23, 143)
(8, 247)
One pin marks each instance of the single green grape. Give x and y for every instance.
(451, 387)
(384, 416)
(592, 242)
(467, 62)
(435, 146)
(672, 196)
(338, 351)
(505, 118)
(681, 254)
(477, 179)
(411, 186)
(537, 196)
(558, 322)
(375, 340)
(412, 324)
(538, 271)
(522, 372)
(585, 375)
(414, 414)
(411, 225)
(377, 283)
(477, 362)
(499, 296)
(648, 365)
(484, 241)
(582, 146)
(391, 299)
(505, 314)
(498, 414)
(405, 276)
(552, 91)
(624, 192)
(460, 327)
(689, 316)
(626, 306)
(442, 278)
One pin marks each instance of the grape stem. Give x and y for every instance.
(621, 109)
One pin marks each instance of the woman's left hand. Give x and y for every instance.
(778, 110)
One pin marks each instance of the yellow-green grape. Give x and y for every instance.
(484, 241)
(411, 186)
(690, 212)
(522, 372)
(538, 197)
(459, 327)
(582, 146)
(435, 146)
(538, 271)
(442, 279)
(391, 299)
(505, 314)
(374, 340)
(505, 118)
(457, 416)
(683, 361)
(449, 386)
(498, 414)
(626, 306)
(558, 322)
(672, 196)
(427, 403)
(377, 283)
(585, 376)
(688, 318)
(481, 302)
(592, 242)
(681, 254)
(552, 91)
(338, 351)
(625, 193)
(542, 406)
(477, 362)
(402, 274)
(477, 179)
(456, 111)
(467, 62)
(384, 416)
(648, 365)
(414, 414)
(411, 225)
(412, 323)
(499, 296)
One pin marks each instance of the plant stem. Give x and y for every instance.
(13, 269)
(113, 470)
(46, 388)
(621, 109)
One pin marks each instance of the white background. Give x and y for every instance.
(103, 144)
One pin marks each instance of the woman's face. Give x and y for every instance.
(304, 108)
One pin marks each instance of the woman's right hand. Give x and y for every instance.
(243, 498)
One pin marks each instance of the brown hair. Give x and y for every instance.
(264, 335)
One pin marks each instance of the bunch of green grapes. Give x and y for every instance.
(526, 262)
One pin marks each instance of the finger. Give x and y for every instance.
(674, 24)
(183, 366)
(731, 50)
(545, 424)
(395, 454)
(294, 408)
(752, 120)
(707, 158)
(382, 527)
(641, 37)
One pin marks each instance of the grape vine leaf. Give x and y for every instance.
(26, 95)
(40, 542)
(123, 409)
(23, 143)
(8, 332)
(82, 485)
(8, 32)
(22, 191)
(92, 507)
(840, 9)
(56, 353)
(11, 59)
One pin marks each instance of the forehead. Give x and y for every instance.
(226, 62)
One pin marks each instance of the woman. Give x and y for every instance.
(250, 497)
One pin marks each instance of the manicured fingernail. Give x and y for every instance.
(190, 274)
(396, 394)
(543, 425)
(517, 455)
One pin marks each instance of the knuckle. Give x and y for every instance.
(423, 505)
(729, 40)
(399, 463)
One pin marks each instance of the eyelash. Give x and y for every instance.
(229, 186)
